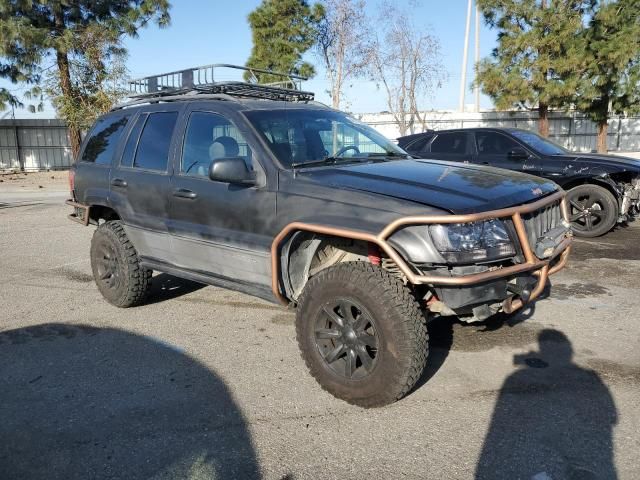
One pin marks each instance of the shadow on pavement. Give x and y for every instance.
(166, 287)
(81, 402)
(552, 420)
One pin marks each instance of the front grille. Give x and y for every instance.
(541, 221)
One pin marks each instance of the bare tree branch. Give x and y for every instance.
(407, 62)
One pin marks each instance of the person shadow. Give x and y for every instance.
(552, 420)
(81, 402)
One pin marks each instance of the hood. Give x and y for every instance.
(455, 187)
(597, 161)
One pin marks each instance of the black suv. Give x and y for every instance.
(601, 189)
(259, 189)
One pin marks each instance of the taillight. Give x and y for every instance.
(72, 179)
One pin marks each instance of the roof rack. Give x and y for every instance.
(207, 79)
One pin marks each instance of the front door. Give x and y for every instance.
(140, 182)
(497, 150)
(219, 228)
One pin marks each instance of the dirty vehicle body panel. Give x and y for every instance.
(223, 233)
(524, 151)
(275, 197)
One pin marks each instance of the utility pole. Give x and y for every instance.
(463, 79)
(477, 57)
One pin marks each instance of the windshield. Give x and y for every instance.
(299, 137)
(542, 145)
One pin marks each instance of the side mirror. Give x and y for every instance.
(231, 170)
(518, 153)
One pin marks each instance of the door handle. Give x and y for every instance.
(119, 182)
(184, 193)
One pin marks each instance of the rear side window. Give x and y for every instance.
(103, 141)
(450, 143)
(153, 146)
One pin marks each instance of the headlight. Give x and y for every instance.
(472, 242)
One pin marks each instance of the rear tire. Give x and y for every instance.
(379, 352)
(593, 210)
(120, 278)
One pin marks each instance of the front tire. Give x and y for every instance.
(361, 334)
(120, 278)
(593, 210)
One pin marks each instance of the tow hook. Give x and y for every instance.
(524, 292)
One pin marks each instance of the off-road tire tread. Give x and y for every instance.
(401, 309)
(137, 277)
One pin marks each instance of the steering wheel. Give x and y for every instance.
(345, 149)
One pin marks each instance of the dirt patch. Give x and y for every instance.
(562, 291)
(234, 304)
(34, 180)
(615, 371)
(74, 275)
(619, 244)
(449, 334)
(284, 319)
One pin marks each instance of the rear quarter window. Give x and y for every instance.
(103, 140)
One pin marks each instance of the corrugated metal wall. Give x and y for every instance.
(34, 145)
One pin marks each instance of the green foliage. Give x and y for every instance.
(539, 47)
(282, 31)
(76, 38)
(98, 77)
(610, 68)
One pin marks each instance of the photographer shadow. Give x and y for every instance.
(84, 402)
(552, 420)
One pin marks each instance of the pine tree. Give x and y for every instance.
(282, 31)
(534, 65)
(34, 33)
(610, 71)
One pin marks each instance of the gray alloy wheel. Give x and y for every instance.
(593, 210)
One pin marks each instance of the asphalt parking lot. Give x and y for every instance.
(208, 383)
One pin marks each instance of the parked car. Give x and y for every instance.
(259, 189)
(602, 189)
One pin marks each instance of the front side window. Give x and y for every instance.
(542, 145)
(210, 137)
(301, 136)
(493, 143)
(453, 143)
(155, 140)
(103, 141)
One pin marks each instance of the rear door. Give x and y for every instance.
(219, 228)
(140, 183)
(452, 146)
(93, 169)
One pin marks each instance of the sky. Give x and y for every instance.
(216, 31)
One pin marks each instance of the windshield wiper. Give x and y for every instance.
(388, 155)
(327, 161)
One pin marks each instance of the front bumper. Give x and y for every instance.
(541, 268)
